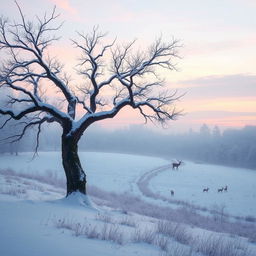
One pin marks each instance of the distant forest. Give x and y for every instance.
(233, 147)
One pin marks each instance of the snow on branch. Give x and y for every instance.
(132, 75)
(25, 42)
(113, 76)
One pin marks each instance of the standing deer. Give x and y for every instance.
(220, 189)
(172, 192)
(226, 188)
(176, 165)
(205, 189)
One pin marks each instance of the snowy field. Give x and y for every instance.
(119, 173)
(111, 172)
(190, 180)
(122, 219)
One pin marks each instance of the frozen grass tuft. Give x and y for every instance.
(50, 177)
(107, 232)
(186, 215)
(210, 246)
(162, 242)
(150, 236)
(144, 236)
(111, 233)
(127, 221)
(13, 191)
(90, 232)
(126, 203)
(104, 218)
(178, 251)
(176, 231)
(217, 246)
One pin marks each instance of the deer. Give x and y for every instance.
(206, 189)
(176, 165)
(172, 192)
(226, 188)
(220, 189)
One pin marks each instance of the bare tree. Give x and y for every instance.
(131, 79)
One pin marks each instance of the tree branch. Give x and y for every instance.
(129, 75)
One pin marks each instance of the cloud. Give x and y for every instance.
(209, 87)
(235, 104)
(223, 119)
(65, 5)
(125, 118)
(206, 48)
(230, 80)
(249, 2)
(220, 114)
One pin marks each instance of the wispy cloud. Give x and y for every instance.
(206, 48)
(222, 83)
(196, 48)
(234, 104)
(221, 118)
(65, 5)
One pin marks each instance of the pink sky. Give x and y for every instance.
(217, 69)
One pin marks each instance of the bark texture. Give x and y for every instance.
(76, 178)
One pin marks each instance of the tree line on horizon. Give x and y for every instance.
(232, 147)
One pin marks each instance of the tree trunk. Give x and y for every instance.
(76, 178)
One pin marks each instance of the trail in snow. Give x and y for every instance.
(143, 185)
(144, 179)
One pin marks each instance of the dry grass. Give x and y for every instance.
(176, 231)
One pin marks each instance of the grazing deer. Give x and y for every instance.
(226, 188)
(172, 192)
(220, 189)
(205, 189)
(176, 165)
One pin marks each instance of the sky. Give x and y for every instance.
(217, 67)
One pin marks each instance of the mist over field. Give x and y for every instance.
(232, 147)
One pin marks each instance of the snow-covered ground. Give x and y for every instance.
(35, 221)
(190, 180)
(111, 172)
(119, 173)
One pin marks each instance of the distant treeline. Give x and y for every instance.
(232, 147)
